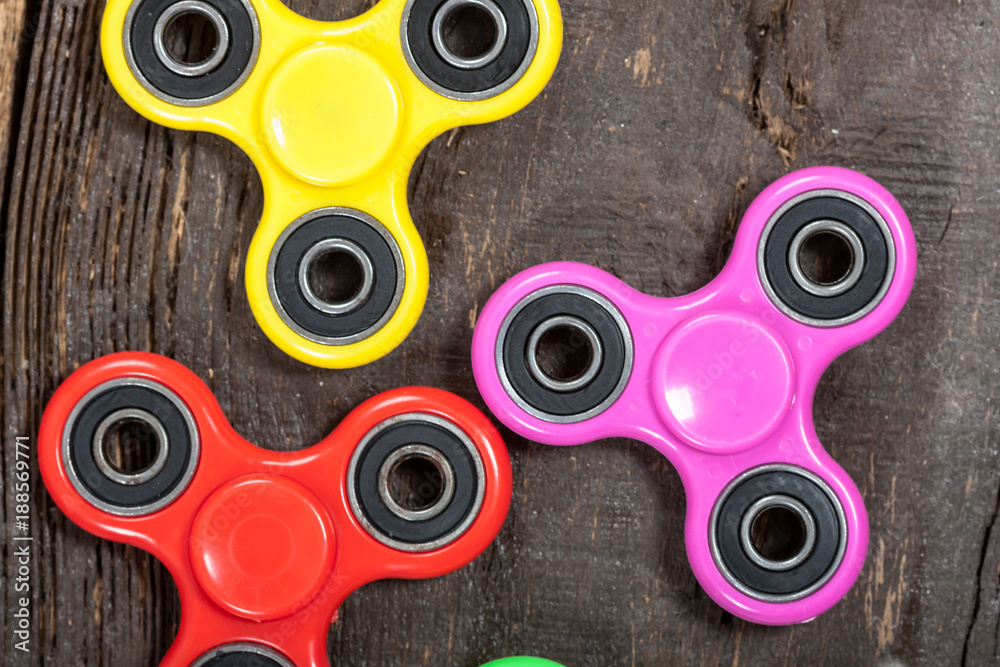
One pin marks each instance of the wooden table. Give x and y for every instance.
(663, 121)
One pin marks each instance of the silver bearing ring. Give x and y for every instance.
(329, 246)
(191, 7)
(250, 654)
(446, 11)
(162, 446)
(754, 513)
(843, 283)
(581, 379)
(444, 469)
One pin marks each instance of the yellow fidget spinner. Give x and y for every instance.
(333, 115)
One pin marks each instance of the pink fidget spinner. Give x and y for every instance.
(722, 381)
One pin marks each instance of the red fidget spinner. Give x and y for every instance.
(264, 546)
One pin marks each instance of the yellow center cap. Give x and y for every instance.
(331, 114)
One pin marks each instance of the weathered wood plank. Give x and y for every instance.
(17, 27)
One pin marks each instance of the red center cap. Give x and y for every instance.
(262, 546)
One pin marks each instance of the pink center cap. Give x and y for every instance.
(262, 546)
(726, 382)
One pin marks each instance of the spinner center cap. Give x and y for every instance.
(724, 382)
(262, 546)
(331, 114)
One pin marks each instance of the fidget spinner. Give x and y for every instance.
(333, 115)
(264, 546)
(721, 381)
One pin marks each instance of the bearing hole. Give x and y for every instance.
(778, 533)
(826, 258)
(469, 31)
(416, 482)
(336, 276)
(564, 353)
(131, 446)
(191, 38)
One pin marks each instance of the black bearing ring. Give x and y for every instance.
(461, 504)
(444, 75)
(808, 570)
(142, 40)
(143, 494)
(298, 309)
(604, 321)
(242, 654)
(859, 219)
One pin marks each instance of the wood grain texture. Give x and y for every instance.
(16, 33)
(663, 121)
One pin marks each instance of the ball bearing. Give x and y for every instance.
(839, 284)
(599, 325)
(757, 511)
(355, 253)
(438, 501)
(438, 28)
(457, 489)
(860, 229)
(362, 240)
(813, 558)
(170, 79)
(178, 10)
(476, 76)
(585, 335)
(100, 482)
(242, 654)
(111, 471)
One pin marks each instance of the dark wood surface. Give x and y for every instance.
(663, 121)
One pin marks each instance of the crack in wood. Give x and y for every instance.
(983, 553)
(759, 37)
